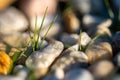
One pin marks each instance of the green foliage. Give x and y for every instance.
(34, 43)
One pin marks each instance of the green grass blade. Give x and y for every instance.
(80, 36)
(111, 14)
(53, 21)
(39, 31)
(35, 33)
(119, 14)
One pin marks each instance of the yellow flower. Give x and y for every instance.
(5, 63)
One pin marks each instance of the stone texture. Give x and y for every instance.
(70, 39)
(66, 62)
(41, 60)
(21, 75)
(101, 29)
(85, 39)
(12, 20)
(83, 6)
(102, 69)
(71, 22)
(99, 51)
(78, 74)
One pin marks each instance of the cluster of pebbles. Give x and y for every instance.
(64, 56)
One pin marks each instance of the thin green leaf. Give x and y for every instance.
(39, 31)
(111, 14)
(48, 30)
(80, 36)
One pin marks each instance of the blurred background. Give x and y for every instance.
(95, 17)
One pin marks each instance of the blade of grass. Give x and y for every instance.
(119, 15)
(94, 39)
(51, 24)
(39, 31)
(111, 14)
(34, 36)
(80, 36)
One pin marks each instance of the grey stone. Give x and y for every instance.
(54, 30)
(78, 74)
(41, 60)
(83, 6)
(91, 21)
(21, 75)
(74, 57)
(12, 20)
(71, 39)
(85, 39)
(57, 74)
(17, 68)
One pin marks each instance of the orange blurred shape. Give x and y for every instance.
(5, 63)
(5, 3)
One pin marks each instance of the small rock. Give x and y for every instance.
(83, 6)
(66, 61)
(10, 78)
(17, 68)
(12, 20)
(71, 39)
(102, 69)
(91, 20)
(74, 39)
(54, 30)
(78, 74)
(71, 22)
(21, 75)
(16, 39)
(41, 60)
(85, 39)
(58, 74)
(101, 29)
(98, 51)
